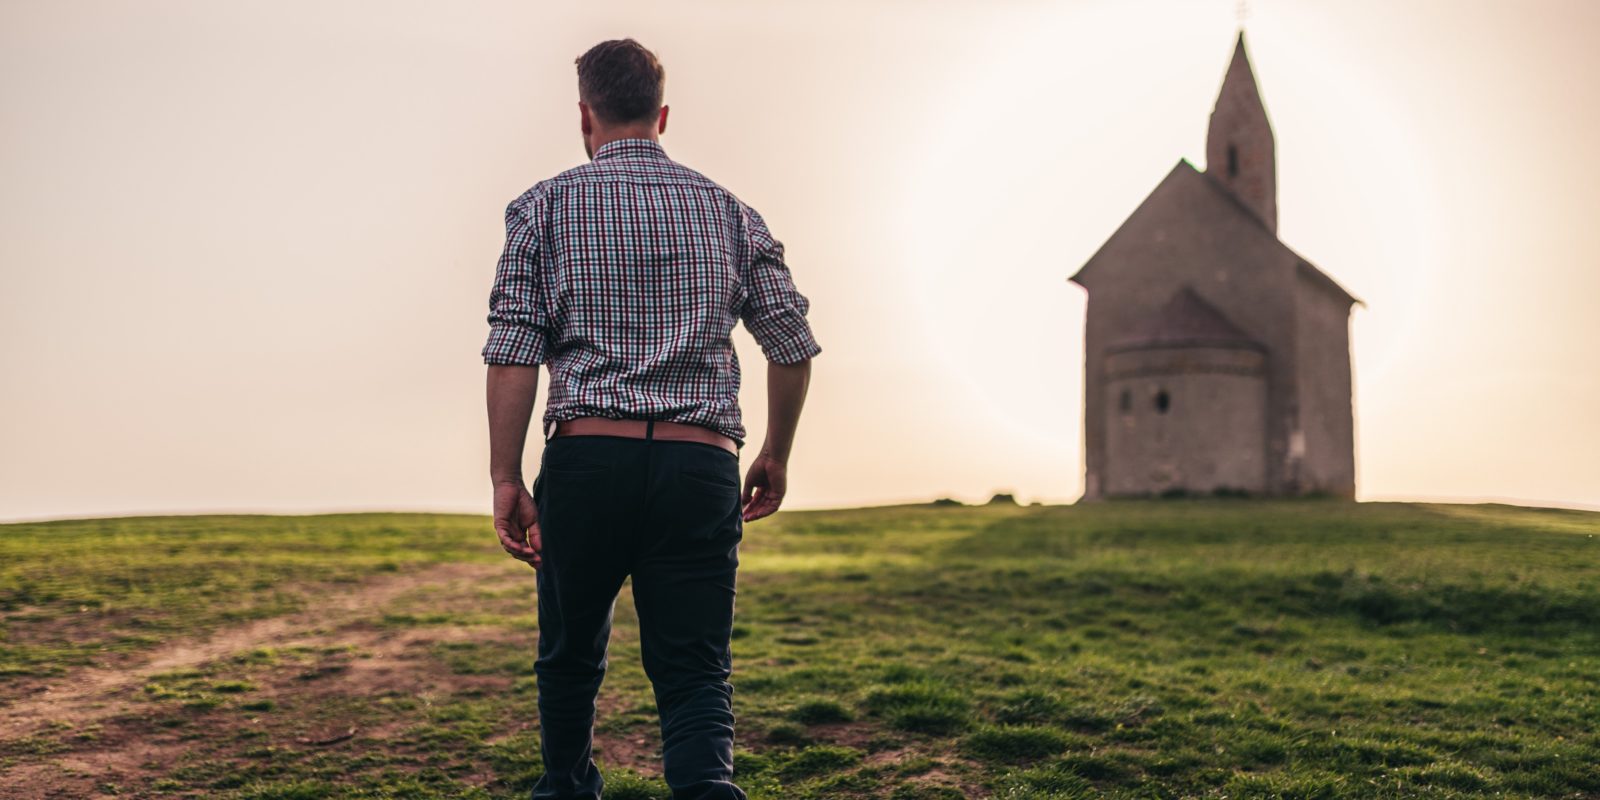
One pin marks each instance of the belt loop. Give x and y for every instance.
(649, 429)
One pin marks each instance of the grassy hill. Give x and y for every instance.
(1143, 650)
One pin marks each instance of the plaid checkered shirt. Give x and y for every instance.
(626, 276)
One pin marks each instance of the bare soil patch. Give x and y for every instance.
(96, 731)
(85, 695)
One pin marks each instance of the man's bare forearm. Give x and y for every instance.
(786, 396)
(511, 392)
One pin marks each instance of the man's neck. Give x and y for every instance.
(605, 137)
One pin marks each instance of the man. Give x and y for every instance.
(625, 277)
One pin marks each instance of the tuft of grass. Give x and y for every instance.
(1029, 706)
(1052, 782)
(920, 708)
(818, 711)
(1016, 744)
(291, 790)
(747, 764)
(924, 792)
(788, 733)
(819, 760)
(628, 785)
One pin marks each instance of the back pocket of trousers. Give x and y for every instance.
(575, 508)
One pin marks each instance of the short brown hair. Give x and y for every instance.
(621, 81)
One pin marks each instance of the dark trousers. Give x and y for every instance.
(667, 514)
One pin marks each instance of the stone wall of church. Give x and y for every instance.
(1185, 419)
(1327, 416)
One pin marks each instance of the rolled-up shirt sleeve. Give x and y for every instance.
(519, 328)
(774, 310)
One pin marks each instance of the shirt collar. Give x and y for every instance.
(625, 148)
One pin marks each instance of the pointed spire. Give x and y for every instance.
(1239, 146)
(1241, 77)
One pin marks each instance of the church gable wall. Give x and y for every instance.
(1187, 232)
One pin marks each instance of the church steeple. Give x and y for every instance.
(1239, 146)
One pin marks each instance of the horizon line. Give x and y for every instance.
(1557, 505)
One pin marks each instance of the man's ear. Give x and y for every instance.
(661, 126)
(585, 118)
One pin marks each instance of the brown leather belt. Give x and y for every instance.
(642, 429)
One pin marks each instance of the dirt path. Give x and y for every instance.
(347, 650)
(91, 694)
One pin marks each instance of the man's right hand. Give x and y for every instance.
(516, 521)
(510, 394)
(764, 487)
(768, 479)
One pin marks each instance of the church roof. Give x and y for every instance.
(1319, 278)
(1187, 320)
(1185, 174)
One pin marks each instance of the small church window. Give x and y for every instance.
(1163, 401)
(1233, 161)
(1125, 402)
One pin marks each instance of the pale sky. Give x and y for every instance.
(246, 247)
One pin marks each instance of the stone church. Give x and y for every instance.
(1217, 360)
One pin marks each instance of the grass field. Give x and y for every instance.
(1156, 649)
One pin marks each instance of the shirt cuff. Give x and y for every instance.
(517, 345)
(786, 339)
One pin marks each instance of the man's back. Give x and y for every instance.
(640, 268)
